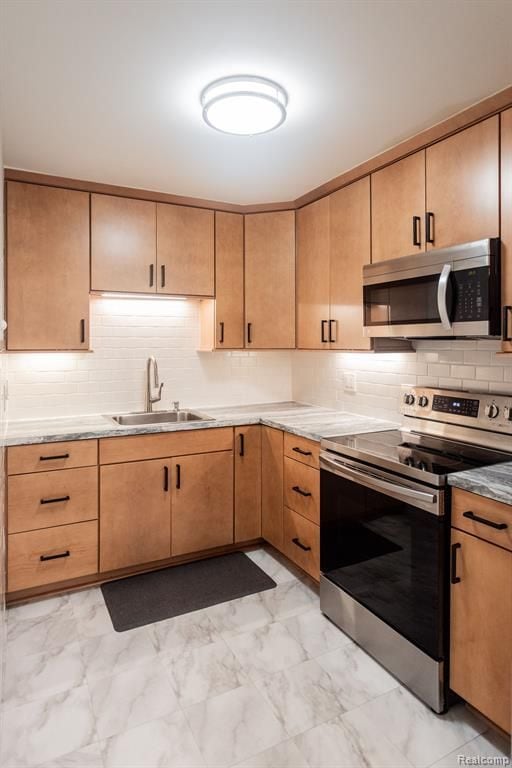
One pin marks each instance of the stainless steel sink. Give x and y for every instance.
(158, 417)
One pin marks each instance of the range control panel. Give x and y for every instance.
(473, 409)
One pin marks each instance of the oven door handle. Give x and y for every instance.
(442, 293)
(370, 481)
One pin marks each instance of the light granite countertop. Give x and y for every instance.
(494, 482)
(297, 418)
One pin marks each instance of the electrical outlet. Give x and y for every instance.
(349, 382)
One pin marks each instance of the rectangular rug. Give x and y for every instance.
(149, 597)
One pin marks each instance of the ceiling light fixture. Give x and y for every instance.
(244, 104)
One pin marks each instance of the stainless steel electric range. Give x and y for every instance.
(385, 528)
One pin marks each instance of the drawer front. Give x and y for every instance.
(302, 542)
(114, 450)
(301, 449)
(76, 544)
(43, 457)
(302, 489)
(467, 507)
(45, 499)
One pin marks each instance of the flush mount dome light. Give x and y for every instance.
(244, 104)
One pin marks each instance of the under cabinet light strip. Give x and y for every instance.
(143, 296)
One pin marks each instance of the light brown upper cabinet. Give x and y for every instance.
(313, 275)
(270, 280)
(398, 208)
(350, 249)
(333, 243)
(47, 268)
(123, 244)
(506, 227)
(462, 197)
(185, 250)
(229, 281)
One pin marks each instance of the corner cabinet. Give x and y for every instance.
(47, 268)
(270, 280)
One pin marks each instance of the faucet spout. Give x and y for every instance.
(151, 398)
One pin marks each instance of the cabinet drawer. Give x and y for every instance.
(301, 449)
(466, 507)
(76, 544)
(302, 542)
(302, 489)
(119, 449)
(48, 456)
(46, 499)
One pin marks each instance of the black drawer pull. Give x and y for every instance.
(166, 479)
(221, 337)
(416, 239)
(332, 334)
(54, 458)
(298, 543)
(323, 326)
(302, 453)
(242, 445)
(151, 275)
(455, 579)
(249, 333)
(82, 331)
(299, 490)
(178, 476)
(162, 275)
(490, 523)
(429, 227)
(44, 558)
(56, 500)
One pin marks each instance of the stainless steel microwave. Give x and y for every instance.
(444, 293)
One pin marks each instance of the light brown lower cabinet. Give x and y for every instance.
(135, 513)
(202, 502)
(272, 486)
(247, 483)
(481, 626)
(301, 542)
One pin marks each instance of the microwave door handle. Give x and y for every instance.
(370, 481)
(442, 293)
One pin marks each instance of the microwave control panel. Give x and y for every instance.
(471, 293)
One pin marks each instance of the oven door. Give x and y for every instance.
(383, 541)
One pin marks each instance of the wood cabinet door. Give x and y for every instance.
(398, 196)
(506, 225)
(270, 280)
(313, 275)
(247, 483)
(123, 244)
(272, 486)
(202, 502)
(185, 250)
(135, 513)
(481, 627)
(463, 185)
(47, 268)
(229, 280)
(350, 250)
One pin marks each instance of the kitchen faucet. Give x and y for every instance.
(150, 397)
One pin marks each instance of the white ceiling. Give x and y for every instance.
(108, 90)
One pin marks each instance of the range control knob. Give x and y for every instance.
(423, 401)
(492, 410)
(507, 412)
(409, 399)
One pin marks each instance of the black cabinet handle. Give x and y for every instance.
(490, 523)
(54, 458)
(221, 337)
(429, 227)
(56, 500)
(242, 446)
(323, 325)
(151, 275)
(82, 331)
(416, 237)
(507, 309)
(44, 558)
(166, 479)
(162, 275)
(455, 579)
(297, 489)
(178, 476)
(298, 543)
(332, 336)
(302, 453)
(249, 333)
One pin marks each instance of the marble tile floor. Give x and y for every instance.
(261, 682)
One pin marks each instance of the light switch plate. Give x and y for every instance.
(349, 382)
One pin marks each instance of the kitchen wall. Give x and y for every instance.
(111, 378)
(328, 378)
